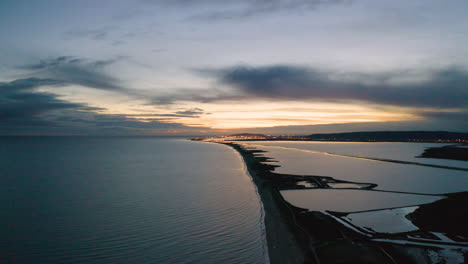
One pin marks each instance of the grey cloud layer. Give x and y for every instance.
(71, 70)
(20, 104)
(25, 109)
(191, 112)
(220, 10)
(441, 88)
(253, 4)
(194, 95)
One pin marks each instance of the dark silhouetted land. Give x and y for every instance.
(394, 136)
(446, 152)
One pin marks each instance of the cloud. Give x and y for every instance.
(78, 71)
(444, 88)
(20, 104)
(26, 110)
(122, 121)
(222, 10)
(93, 34)
(26, 84)
(428, 125)
(454, 116)
(191, 112)
(194, 95)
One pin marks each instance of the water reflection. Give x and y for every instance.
(126, 200)
(384, 221)
(385, 150)
(352, 200)
(388, 176)
(387, 202)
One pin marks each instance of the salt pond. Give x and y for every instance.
(382, 150)
(384, 221)
(352, 200)
(387, 175)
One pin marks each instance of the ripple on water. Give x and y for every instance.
(127, 200)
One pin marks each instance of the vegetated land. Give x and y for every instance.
(446, 152)
(394, 136)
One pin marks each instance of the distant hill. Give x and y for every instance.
(393, 136)
(247, 135)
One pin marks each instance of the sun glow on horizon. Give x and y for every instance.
(249, 114)
(271, 114)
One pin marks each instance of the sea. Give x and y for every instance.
(173, 200)
(126, 200)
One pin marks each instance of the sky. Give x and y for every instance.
(204, 67)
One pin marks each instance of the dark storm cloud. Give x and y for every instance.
(441, 88)
(77, 71)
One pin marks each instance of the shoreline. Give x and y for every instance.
(423, 155)
(265, 247)
(295, 235)
(282, 245)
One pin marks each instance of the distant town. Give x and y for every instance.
(377, 136)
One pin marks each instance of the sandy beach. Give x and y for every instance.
(283, 246)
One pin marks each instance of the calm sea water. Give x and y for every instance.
(126, 200)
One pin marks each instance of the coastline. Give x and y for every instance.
(266, 250)
(295, 235)
(282, 245)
